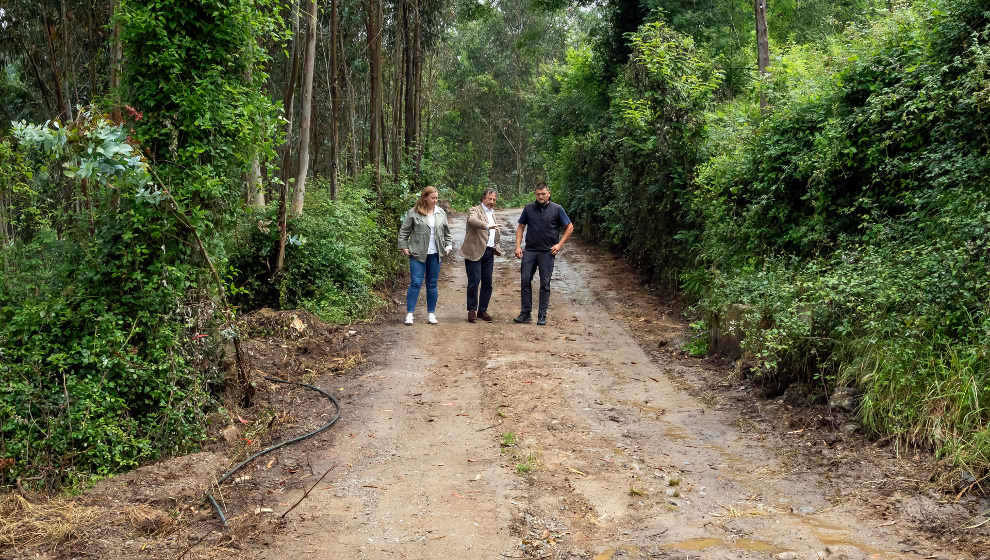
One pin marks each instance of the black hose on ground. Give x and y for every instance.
(267, 450)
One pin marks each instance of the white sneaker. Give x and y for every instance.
(432, 319)
(409, 319)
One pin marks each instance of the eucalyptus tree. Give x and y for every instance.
(495, 53)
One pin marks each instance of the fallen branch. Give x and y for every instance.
(332, 467)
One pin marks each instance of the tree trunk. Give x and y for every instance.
(289, 95)
(375, 91)
(255, 189)
(283, 228)
(116, 64)
(411, 10)
(334, 99)
(305, 119)
(352, 112)
(397, 85)
(418, 71)
(762, 44)
(65, 60)
(60, 100)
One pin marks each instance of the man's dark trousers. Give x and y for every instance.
(480, 272)
(530, 262)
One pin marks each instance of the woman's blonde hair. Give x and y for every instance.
(421, 206)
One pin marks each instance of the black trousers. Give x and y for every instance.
(479, 272)
(531, 261)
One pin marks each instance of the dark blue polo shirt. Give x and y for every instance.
(543, 225)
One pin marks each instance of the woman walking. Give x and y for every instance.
(423, 237)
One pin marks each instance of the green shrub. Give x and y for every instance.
(337, 253)
(852, 225)
(95, 375)
(626, 180)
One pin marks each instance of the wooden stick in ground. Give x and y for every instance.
(332, 467)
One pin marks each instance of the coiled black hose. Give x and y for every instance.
(239, 466)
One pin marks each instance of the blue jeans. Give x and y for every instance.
(430, 270)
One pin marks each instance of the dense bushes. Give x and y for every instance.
(846, 231)
(628, 186)
(95, 375)
(875, 181)
(337, 253)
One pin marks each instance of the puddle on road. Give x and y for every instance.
(610, 553)
(702, 543)
(656, 412)
(833, 542)
(816, 523)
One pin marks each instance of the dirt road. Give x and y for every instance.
(568, 441)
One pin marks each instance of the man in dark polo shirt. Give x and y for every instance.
(542, 222)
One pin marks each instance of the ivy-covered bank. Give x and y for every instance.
(119, 239)
(847, 225)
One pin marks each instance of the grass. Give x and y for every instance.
(508, 439)
(527, 466)
(23, 524)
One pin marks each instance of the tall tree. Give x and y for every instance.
(117, 58)
(398, 79)
(289, 93)
(374, 19)
(334, 98)
(305, 118)
(762, 44)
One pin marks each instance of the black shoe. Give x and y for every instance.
(542, 320)
(523, 318)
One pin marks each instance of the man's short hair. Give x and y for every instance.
(541, 186)
(487, 192)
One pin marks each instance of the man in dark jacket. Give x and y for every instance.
(542, 222)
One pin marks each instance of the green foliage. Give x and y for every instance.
(699, 344)
(94, 376)
(337, 253)
(329, 268)
(195, 73)
(852, 224)
(842, 234)
(480, 136)
(104, 285)
(508, 439)
(626, 180)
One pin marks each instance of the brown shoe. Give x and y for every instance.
(483, 315)
(471, 316)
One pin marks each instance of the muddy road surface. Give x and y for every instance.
(569, 441)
